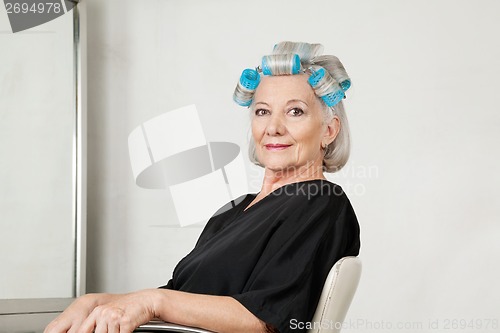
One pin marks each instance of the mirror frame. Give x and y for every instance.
(16, 310)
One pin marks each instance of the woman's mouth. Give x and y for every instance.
(276, 146)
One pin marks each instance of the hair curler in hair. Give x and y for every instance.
(249, 81)
(325, 86)
(281, 64)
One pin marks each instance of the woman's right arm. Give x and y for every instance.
(122, 313)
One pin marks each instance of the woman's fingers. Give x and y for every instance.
(90, 324)
(113, 328)
(57, 326)
(62, 324)
(71, 319)
(107, 319)
(74, 328)
(116, 314)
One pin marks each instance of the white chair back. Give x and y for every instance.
(338, 292)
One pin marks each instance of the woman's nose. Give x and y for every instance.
(276, 125)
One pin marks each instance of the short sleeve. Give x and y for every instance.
(288, 279)
(169, 285)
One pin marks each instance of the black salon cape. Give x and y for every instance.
(274, 257)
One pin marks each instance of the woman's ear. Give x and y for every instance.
(331, 131)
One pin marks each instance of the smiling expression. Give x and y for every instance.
(287, 123)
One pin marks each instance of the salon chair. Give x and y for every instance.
(331, 310)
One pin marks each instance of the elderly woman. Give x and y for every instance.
(262, 260)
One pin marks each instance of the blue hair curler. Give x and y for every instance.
(265, 67)
(250, 79)
(346, 84)
(316, 76)
(282, 67)
(296, 64)
(317, 80)
(333, 98)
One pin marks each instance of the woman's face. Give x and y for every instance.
(287, 123)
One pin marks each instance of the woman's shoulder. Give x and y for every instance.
(310, 202)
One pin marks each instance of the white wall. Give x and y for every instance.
(424, 121)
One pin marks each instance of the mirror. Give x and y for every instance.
(42, 164)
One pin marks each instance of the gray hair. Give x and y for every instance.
(336, 154)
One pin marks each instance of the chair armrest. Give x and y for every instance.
(162, 326)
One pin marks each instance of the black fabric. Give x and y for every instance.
(275, 256)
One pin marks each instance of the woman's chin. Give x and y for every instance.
(280, 166)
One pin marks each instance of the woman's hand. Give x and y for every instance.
(121, 315)
(106, 314)
(71, 319)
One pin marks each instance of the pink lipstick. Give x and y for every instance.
(276, 146)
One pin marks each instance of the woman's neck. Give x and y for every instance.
(274, 179)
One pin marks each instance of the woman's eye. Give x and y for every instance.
(296, 112)
(260, 112)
